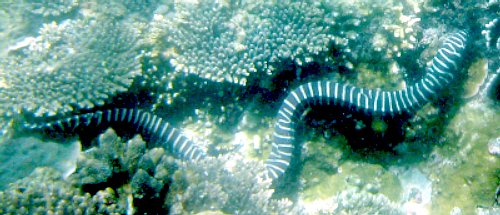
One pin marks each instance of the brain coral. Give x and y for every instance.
(76, 64)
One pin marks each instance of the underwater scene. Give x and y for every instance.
(250, 107)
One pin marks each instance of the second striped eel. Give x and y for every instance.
(147, 124)
(437, 77)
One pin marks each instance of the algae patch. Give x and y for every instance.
(477, 73)
(351, 171)
(467, 174)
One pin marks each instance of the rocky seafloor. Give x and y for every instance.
(219, 71)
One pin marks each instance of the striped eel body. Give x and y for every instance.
(147, 124)
(437, 77)
(376, 101)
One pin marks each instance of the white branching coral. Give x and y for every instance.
(223, 43)
(491, 34)
(76, 64)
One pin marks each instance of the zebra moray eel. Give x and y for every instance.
(437, 77)
(147, 124)
(321, 92)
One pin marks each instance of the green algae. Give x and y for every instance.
(468, 175)
(379, 125)
(351, 171)
(355, 174)
(476, 75)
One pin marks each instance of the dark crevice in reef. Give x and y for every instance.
(291, 75)
(116, 180)
(210, 97)
(152, 201)
(494, 90)
(365, 132)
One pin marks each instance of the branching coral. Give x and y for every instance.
(117, 176)
(51, 8)
(45, 192)
(228, 184)
(373, 33)
(133, 9)
(44, 8)
(491, 34)
(76, 64)
(225, 44)
(139, 175)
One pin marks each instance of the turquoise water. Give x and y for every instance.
(218, 72)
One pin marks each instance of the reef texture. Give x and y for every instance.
(228, 184)
(138, 175)
(353, 202)
(44, 192)
(115, 176)
(50, 8)
(220, 43)
(219, 71)
(71, 65)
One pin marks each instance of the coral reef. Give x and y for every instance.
(351, 202)
(40, 9)
(491, 88)
(224, 44)
(45, 76)
(354, 28)
(477, 74)
(51, 8)
(494, 146)
(44, 192)
(118, 177)
(492, 34)
(128, 9)
(139, 176)
(219, 69)
(465, 161)
(113, 177)
(229, 184)
(488, 211)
